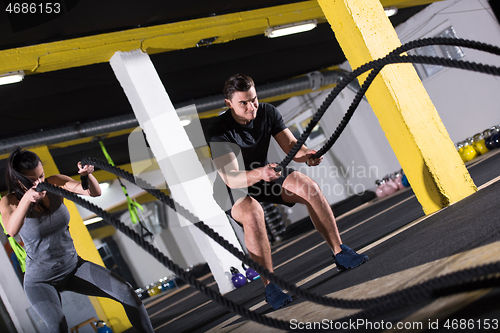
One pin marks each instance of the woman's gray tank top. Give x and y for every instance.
(50, 252)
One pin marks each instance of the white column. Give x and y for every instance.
(174, 152)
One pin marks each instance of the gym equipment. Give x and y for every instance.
(390, 185)
(153, 289)
(469, 152)
(167, 284)
(238, 279)
(132, 205)
(460, 149)
(488, 136)
(102, 327)
(274, 222)
(479, 143)
(405, 181)
(250, 273)
(398, 179)
(379, 191)
(495, 137)
(466, 280)
(141, 293)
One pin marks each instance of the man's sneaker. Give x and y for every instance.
(347, 258)
(276, 297)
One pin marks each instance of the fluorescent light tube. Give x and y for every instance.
(92, 220)
(12, 77)
(291, 29)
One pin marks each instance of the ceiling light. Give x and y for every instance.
(390, 11)
(11, 77)
(92, 220)
(289, 29)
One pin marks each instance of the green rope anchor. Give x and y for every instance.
(132, 205)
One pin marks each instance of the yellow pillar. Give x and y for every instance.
(108, 310)
(410, 121)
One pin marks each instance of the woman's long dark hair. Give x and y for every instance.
(17, 183)
(18, 161)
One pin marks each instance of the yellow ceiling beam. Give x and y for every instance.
(163, 38)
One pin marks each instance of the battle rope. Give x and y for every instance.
(460, 281)
(333, 302)
(132, 205)
(162, 258)
(465, 280)
(375, 67)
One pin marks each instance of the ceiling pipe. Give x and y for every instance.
(313, 80)
(68, 133)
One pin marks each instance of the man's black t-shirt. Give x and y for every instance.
(226, 136)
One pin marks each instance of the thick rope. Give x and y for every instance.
(151, 249)
(465, 280)
(460, 281)
(376, 66)
(223, 242)
(333, 302)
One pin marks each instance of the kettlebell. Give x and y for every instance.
(238, 279)
(390, 185)
(488, 138)
(459, 146)
(398, 180)
(495, 137)
(469, 152)
(102, 328)
(480, 144)
(250, 273)
(166, 284)
(404, 180)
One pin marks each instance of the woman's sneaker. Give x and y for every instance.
(348, 258)
(276, 297)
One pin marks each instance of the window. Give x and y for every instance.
(446, 51)
(298, 124)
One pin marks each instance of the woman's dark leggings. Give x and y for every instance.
(88, 279)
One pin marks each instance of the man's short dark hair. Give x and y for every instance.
(237, 82)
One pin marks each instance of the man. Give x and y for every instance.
(239, 141)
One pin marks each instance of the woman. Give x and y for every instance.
(52, 264)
